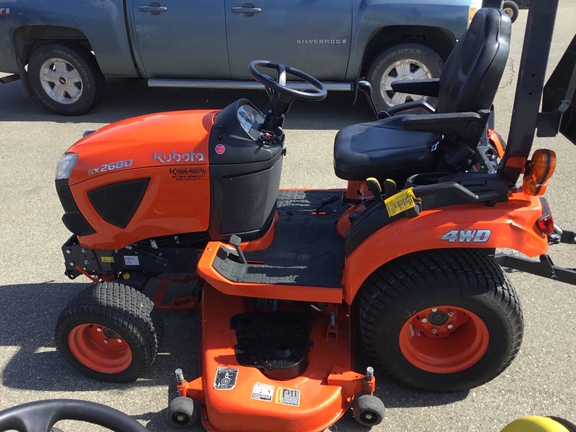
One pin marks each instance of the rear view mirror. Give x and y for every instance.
(561, 87)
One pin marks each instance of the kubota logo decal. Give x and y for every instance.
(4, 11)
(177, 157)
(467, 236)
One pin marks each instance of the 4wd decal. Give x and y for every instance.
(4, 11)
(467, 236)
(177, 157)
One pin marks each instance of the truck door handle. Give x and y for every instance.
(247, 9)
(153, 8)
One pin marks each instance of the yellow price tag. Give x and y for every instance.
(400, 202)
(106, 259)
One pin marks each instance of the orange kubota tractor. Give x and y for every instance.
(281, 277)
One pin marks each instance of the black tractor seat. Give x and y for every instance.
(384, 149)
(402, 145)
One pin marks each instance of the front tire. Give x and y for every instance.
(109, 332)
(66, 78)
(443, 320)
(407, 61)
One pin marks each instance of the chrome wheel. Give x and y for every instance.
(61, 81)
(405, 69)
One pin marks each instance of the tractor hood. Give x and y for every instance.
(162, 139)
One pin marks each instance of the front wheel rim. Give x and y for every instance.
(444, 339)
(100, 348)
(401, 70)
(61, 81)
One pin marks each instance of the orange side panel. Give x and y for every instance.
(313, 406)
(507, 225)
(169, 207)
(280, 292)
(169, 148)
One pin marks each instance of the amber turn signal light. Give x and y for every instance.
(538, 171)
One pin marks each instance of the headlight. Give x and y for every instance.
(66, 165)
(476, 4)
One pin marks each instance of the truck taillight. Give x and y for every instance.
(538, 171)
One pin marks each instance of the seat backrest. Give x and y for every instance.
(474, 69)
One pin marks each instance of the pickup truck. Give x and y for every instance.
(63, 50)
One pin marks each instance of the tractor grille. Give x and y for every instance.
(116, 203)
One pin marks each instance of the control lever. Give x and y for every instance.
(235, 241)
(389, 188)
(374, 186)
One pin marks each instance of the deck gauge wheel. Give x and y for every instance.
(368, 410)
(183, 412)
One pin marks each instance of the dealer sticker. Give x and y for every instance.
(225, 378)
(288, 397)
(400, 202)
(263, 392)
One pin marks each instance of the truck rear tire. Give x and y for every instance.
(66, 78)
(405, 61)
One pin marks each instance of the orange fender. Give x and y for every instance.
(511, 224)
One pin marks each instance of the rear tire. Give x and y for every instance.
(402, 62)
(443, 320)
(66, 78)
(109, 332)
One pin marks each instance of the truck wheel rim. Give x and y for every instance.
(100, 348)
(444, 339)
(405, 69)
(61, 81)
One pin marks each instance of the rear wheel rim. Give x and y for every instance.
(444, 339)
(402, 70)
(100, 348)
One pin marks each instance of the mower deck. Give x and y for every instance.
(232, 393)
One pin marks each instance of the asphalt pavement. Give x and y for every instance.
(33, 288)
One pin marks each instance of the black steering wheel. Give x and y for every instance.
(40, 416)
(315, 93)
(282, 96)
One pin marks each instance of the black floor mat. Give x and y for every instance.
(306, 249)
